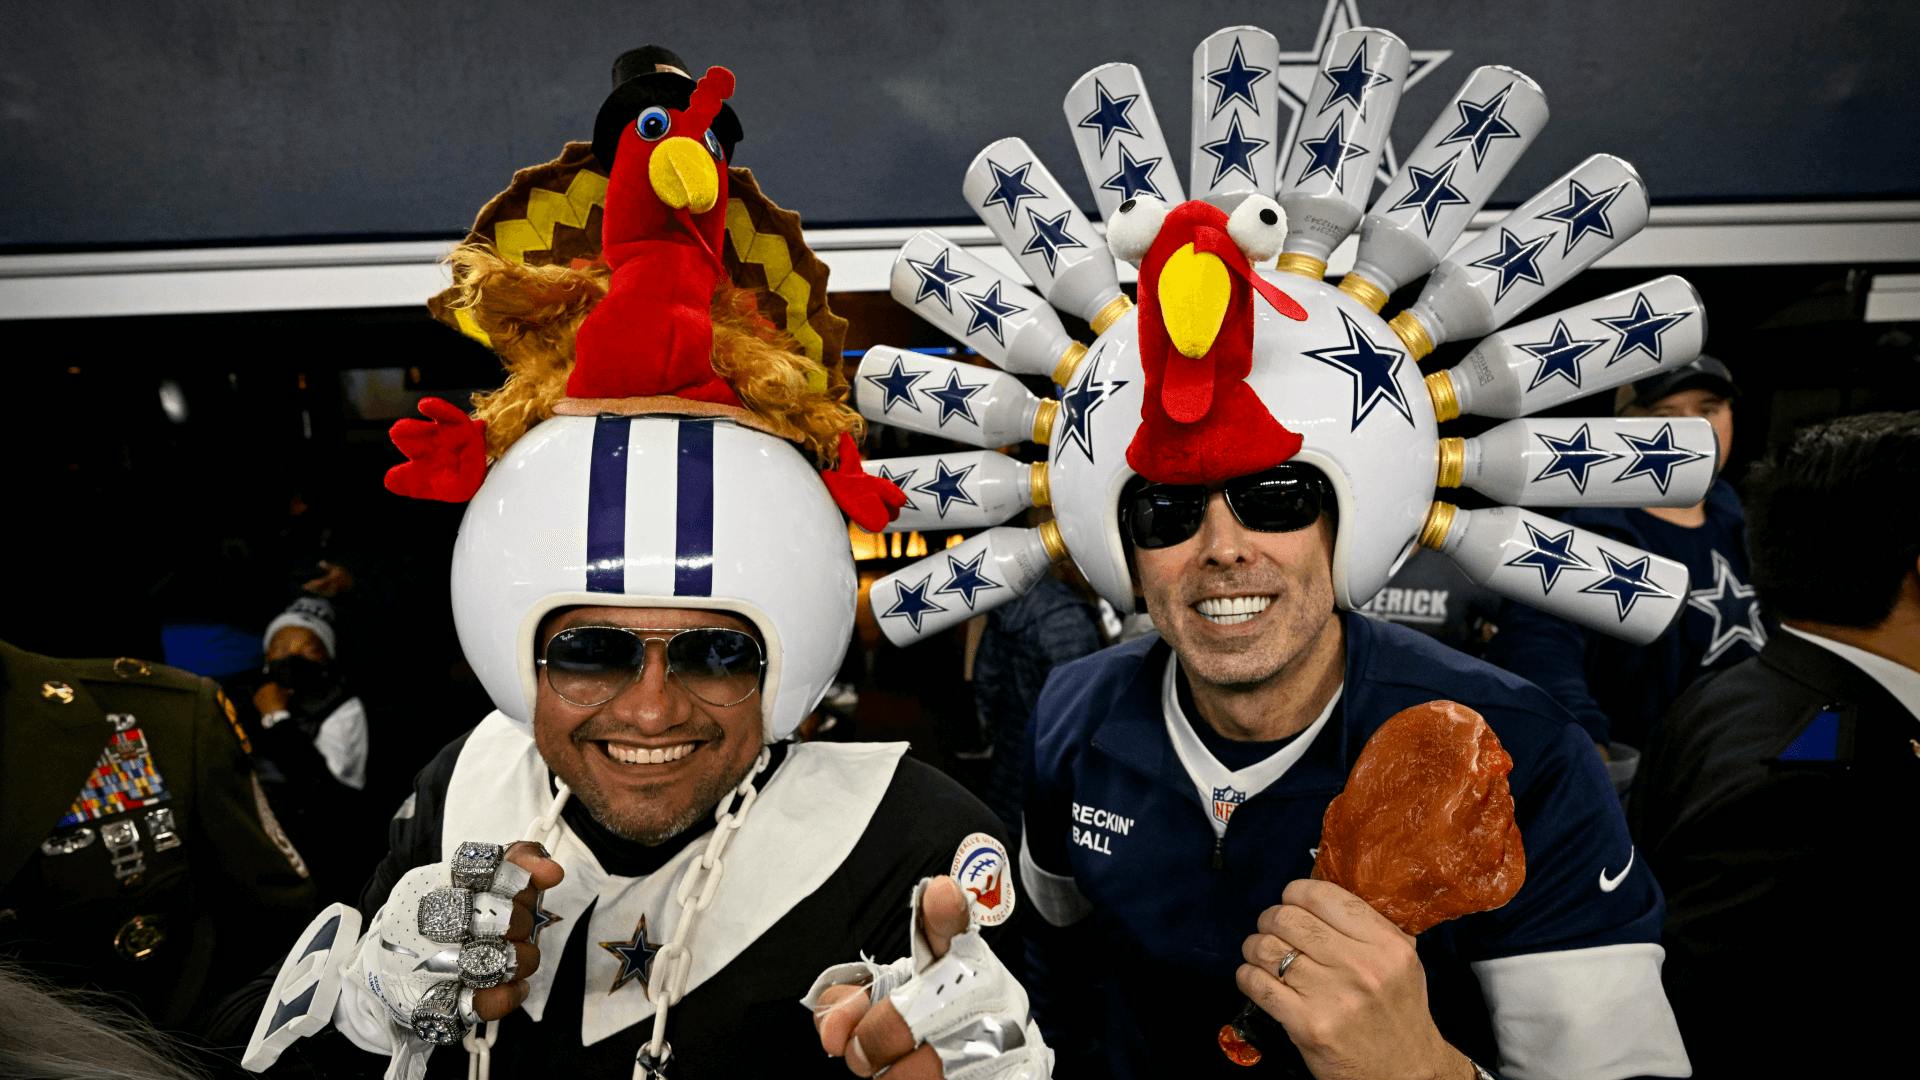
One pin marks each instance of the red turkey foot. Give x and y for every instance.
(446, 453)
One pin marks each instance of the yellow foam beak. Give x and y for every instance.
(683, 175)
(1194, 291)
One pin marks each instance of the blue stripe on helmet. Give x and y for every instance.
(607, 506)
(693, 527)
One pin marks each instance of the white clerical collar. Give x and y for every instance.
(1899, 680)
(1222, 789)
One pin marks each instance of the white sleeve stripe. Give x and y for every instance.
(1583, 1014)
(1056, 898)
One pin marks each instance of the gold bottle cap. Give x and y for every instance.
(1364, 291)
(1039, 487)
(1050, 538)
(1110, 314)
(1413, 333)
(1069, 363)
(1043, 421)
(1453, 462)
(1446, 404)
(1296, 262)
(1439, 520)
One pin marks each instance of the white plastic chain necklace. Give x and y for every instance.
(673, 963)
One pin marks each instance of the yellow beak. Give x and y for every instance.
(1194, 290)
(683, 175)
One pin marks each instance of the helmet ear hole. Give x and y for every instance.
(1259, 227)
(1131, 230)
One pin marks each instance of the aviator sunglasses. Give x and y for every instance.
(591, 665)
(1281, 499)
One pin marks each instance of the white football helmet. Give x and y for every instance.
(655, 511)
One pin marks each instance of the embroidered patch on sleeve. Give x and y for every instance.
(985, 873)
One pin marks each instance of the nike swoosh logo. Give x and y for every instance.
(1609, 884)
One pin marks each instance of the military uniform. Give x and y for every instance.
(137, 852)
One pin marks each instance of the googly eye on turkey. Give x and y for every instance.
(652, 124)
(1134, 224)
(1258, 226)
(713, 143)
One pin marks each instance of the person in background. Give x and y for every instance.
(138, 852)
(312, 732)
(1618, 691)
(1780, 796)
(1431, 594)
(1023, 642)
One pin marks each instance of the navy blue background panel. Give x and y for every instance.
(133, 123)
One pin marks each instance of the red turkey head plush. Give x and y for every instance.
(1200, 421)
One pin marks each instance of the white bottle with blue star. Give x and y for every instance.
(1611, 461)
(1045, 232)
(1447, 178)
(1599, 583)
(949, 587)
(1598, 345)
(978, 305)
(1528, 254)
(1329, 171)
(1122, 149)
(1236, 116)
(967, 403)
(967, 489)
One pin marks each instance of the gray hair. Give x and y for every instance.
(51, 1033)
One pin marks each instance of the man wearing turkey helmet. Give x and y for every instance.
(1618, 691)
(1180, 782)
(685, 871)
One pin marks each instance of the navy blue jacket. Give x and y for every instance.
(1132, 964)
(1617, 691)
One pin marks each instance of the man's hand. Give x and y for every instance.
(873, 1036)
(496, 1002)
(270, 698)
(1355, 1000)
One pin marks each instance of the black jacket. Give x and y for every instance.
(1780, 810)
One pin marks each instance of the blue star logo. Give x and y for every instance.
(1517, 260)
(1734, 609)
(1352, 80)
(1640, 329)
(1109, 115)
(1626, 582)
(1374, 371)
(635, 955)
(542, 918)
(1009, 188)
(1656, 457)
(1077, 406)
(1573, 457)
(1585, 212)
(897, 385)
(900, 480)
(1235, 82)
(1233, 152)
(1330, 153)
(1559, 355)
(1134, 177)
(910, 602)
(948, 487)
(937, 279)
(955, 398)
(1049, 236)
(966, 579)
(1481, 123)
(1433, 191)
(1550, 555)
(988, 311)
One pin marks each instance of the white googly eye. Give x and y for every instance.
(652, 124)
(1134, 224)
(1259, 227)
(713, 143)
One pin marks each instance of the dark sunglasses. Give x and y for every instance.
(592, 665)
(1281, 499)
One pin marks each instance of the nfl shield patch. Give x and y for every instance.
(1224, 801)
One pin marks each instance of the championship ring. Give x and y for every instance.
(486, 962)
(437, 1018)
(446, 915)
